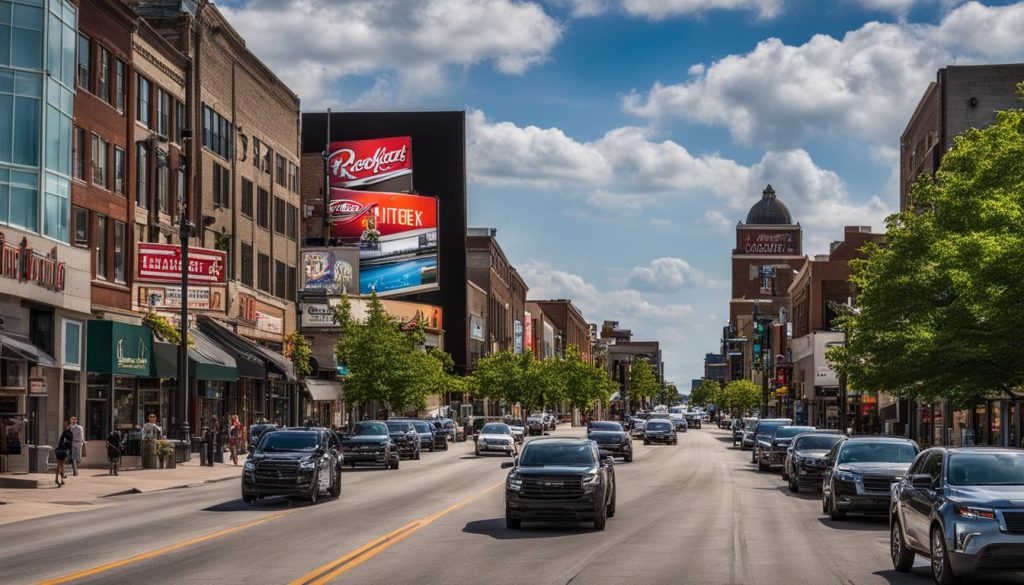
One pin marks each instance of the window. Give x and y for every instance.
(56, 210)
(119, 85)
(141, 175)
(217, 132)
(103, 83)
(120, 258)
(19, 198)
(280, 178)
(293, 178)
(21, 35)
(20, 117)
(179, 120)
(13, 373)
(279, 215)
(142, 113)
(72, 344)
(293, 222)
(163, 112)
(84, 63)
(246, 264)
(99, 161)
(257, 157)
(280, 274)
(81, 227)
(163, 200)
(293, 277)
(264, 272)
(246, 197)
(181, 189)
(263, 210)
(101, 247)
(221, 186)
(78, 154)
(119, 170)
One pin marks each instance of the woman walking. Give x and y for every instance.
(234, 434)
(63, 453)
(114, 452)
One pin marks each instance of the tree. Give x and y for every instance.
(742, 395)
(705, 393)
(517, 379)
(300, 352)
(583, 384)
(939, 313)
(643, 385)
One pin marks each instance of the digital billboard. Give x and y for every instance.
(330, 271)
(396, 234)
(358, 163)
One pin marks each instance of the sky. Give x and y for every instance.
(615, 144)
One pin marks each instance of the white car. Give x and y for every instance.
(496, 438)
(517, 429)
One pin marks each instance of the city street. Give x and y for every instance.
(693, 513)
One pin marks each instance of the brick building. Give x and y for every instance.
(570, 328)
(489, 268)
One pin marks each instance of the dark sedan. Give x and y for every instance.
(806, 457)
(368, 442)
(430, 438)
(860, 474)
(405, 437)
(775, 454)
(762, 434)
(610, 437)
(660, 431)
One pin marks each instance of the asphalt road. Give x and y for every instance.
(693, 513)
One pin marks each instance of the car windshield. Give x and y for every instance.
(986, 469)
(496, 429)
(817, 442)
(535, 419)
(370, 429)
(423, 426)
(881, 452)
(765, 429)
(790, 432)
(398, 427)
(279, 441)
(605, 426)
(540, 454)
(657, 425)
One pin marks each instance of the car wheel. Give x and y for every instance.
(396, 462)
(646, 442)
(785, 476)
(248, 498)
(416, 456)
(600, 516)
(942, 570)
(476, 451)
(834, 512)
(629, 457)
(431, 448)
(611, 506)
(335, 489)
(510, 522)
(314, 489)
(761, 465)
(902, 557)
(793, 485)
(445, 447)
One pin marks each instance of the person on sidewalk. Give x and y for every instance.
(63, 453)
(151, 431)
(77, 444)
(114, 452)
(234, 434)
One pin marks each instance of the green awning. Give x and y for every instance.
(207, 361)
(118, 348)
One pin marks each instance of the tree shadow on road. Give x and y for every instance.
(495, 528)
(917, 575)
(858, 523)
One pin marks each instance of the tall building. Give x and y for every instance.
(961, 97)
(622, 353)
(489, 268)
(570, 328)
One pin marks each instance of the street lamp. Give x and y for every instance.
(185, 228)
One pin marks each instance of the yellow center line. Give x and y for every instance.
(161, 551)
(353, 559)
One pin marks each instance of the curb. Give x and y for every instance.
(135, 490)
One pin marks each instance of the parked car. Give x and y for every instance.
(694, 419)
(430, 437)
(495, 436)
(535, 425)
(724, 421)
(638, 428)
(560, 478)
(679, 422)
(610, 437)
(736, 426)
(660, 431)
(963, 508)
(516, 425)
(293, 462)
(774, 455)
(747, 440)
(551, 420)
(860, 474)
(256, 431)
(453, 429)
(370, 442)
(763, 431)
(405, 437)
(806, 456)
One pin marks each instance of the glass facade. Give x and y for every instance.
(37, 37)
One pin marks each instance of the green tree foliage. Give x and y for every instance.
(940, 304)
(583, 384)
(741, 396)
(517, 379)
(643, 385)
(707, 392)
(299, 351)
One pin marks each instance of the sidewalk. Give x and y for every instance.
(89, 489)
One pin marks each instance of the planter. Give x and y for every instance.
(160, 462)
(170, 463)
(149, 456)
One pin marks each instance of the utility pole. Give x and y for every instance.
(185, 228)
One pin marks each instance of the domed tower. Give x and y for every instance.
(769, 210)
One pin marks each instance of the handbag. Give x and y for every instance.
(83, 450)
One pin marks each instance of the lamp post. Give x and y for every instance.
(185, 228)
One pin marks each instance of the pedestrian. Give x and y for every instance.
(234, 434)
(151, 431)
(77, 444)
(63, 453)
(114, 451)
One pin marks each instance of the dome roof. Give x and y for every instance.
(769, 210)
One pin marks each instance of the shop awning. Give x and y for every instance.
(19, 347)
(165, 360)
(249, 357)
(323, 390)
(118, 348)
(207, 361)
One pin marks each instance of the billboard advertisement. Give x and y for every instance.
(162, 263)
(517, 328)
(330, 271)
(773, 243)
(319, 314)
(358, 163)
(397, 238)
(528, 331)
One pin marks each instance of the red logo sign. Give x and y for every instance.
(371, 215)
(364, 162)
(162, 263)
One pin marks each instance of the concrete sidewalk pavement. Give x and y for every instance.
(92, 487)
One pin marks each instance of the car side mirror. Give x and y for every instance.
(507, 464)
(921, 481)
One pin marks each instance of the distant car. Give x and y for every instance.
(516, 425)
(679, 422)
(293, 462)
(736, 426)
(610, 437)
(805, 458)
(763, 431)
(560, 478)
(638, 428)
(660, 431)
(963, 508)
(451, 428)
(694, 419)
(860, 474)
(551, 420)
(370, 442)
(495, 437)
(535, 425)
(430, 437)
(405, 437)
(747, 440)
(775, 454)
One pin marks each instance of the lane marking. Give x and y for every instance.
(161, 551)
(335, 568)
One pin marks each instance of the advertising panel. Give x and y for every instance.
(517, 329)
(768, 242)
(476, 327)
(319, 314)
(357, 163)
(162, 263)
(397, 238)
(169, 297)
(528, 331)
(330, 271)
(316, 315)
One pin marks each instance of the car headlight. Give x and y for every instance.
(591, 481)
(973, 513)
(249, 465)
(797, 460)
(515, 482)
(847, 476)
(307, 464)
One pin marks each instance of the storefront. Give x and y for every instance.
(323, 403)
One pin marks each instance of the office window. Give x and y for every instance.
(263, 209)
(163, 112)
(279, 215)
(72, 344)
(20, 119)
(19, 198)
(119, 163)
(280, 174)
(293, 222)
(78, 154)
(141, 175)
(22, 35)
(218, 134)
(293, 276)
(181, 190)
(221, 186)
(119, 85)
(103, 83)
(142, 100)
(101, 247)
(246, 264)
(257, 156)
(264, 272)
(81, 227)
(163, 195)
(293, 178)
(280, 274)
(179, 119)
(56, 207)
(84, 63)
(246, 197)
(99, 161)
(120, 258)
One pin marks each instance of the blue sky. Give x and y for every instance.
(616, 143)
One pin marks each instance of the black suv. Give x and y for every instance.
(368, 442)
(560, 479)
(405, 437)
(610, 437)
(860, 472)
(292, 462)
(256, 431)
(660, 431)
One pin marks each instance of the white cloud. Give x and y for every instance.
(663, 9)
(667, 275)
(417, 41)
(717, 220)
(865, 84)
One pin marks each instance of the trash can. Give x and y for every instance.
(39, 458)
